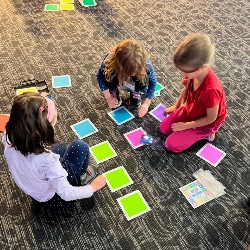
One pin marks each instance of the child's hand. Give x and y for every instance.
(112, 102)
(179, 126)
(170, 110)
(98, 183)
(143, 109)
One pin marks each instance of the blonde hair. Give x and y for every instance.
(126, 58)
(194, 51)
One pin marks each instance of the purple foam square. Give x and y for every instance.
(158, 112)
(211, 154)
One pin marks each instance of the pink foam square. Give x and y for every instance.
(211, 154)
(134, 137)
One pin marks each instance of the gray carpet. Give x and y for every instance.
(41, 44)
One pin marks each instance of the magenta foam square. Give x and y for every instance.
(211, 154)
(134, 137)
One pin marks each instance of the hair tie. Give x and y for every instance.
(41, 108)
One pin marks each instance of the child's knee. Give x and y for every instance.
(173, 145)
(80, 143)
(165, 127)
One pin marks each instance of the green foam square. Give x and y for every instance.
(158, 89)
(118, 178)
(51, 7)
(133, 205)
(88, 3)
(157, 93)
(102, 152)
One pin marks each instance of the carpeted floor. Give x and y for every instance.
(42, 44)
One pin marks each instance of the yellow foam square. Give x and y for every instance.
(66, 1)
(25, 90)
(67, 6)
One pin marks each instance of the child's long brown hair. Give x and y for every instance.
(193, 52)
(28, 128)
(126, 58)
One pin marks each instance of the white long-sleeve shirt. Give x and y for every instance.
(42, 175)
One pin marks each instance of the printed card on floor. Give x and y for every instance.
(158, 112)
(196, 193)
(4, 118)
(211, 154)
(121, 115)
(87, 3)
(84, 128)
(61, 81)
(118, 178)
(102, 152)
(158, 89)
(133, 205)
(134, 137)
(67, 6)
(51, 7)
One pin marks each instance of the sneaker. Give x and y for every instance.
(135, 99)
(89, 176)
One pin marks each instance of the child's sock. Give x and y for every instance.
(211, 136)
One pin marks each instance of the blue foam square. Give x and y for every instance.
(121, 115)
(84, 128)
(61, 81)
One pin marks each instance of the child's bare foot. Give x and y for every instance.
(211, 137)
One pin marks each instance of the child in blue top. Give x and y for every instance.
(52, 174)
(127, 68)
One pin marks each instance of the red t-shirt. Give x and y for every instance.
(209, 94)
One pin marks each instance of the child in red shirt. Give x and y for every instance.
(201, 108)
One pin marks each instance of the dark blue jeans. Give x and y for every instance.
(75, 160)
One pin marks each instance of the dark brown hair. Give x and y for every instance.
(28, 129)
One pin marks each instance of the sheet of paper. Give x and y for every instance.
(4, 118)
(67, 6)
(84, 128)
(61, 81)
(87, 3)
(102, 152)
(133, 205)
(134, 137)
(118, 178)
(211, 154)
(51, 7)
(121, 115)
(158, 112)
(196, 193)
